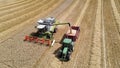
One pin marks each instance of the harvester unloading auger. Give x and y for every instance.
(45, 30)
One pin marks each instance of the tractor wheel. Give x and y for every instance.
(68, 57)
(59, 54)
(72, 49)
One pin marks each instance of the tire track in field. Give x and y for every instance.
(116, 14)
(95, 60)
(111, 36)
(117, 3)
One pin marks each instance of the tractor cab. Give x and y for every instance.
(67, 43)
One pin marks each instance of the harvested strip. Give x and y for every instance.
(112, 37)
(95, 60)
(24, 10)
(20, 19)
(15, 5)
(64, 3)
(70, 10)
(116, 14)
(84, 42)
(11, 3)
(16, 9)
(117, 3)
(82, 13)
(104, 53)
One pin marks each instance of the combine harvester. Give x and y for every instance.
(45, 31)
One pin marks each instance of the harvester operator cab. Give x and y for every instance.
(44, 25)
(41, 28)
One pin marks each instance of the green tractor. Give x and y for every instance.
(66, 49)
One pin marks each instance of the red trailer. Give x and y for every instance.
(73, 33)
